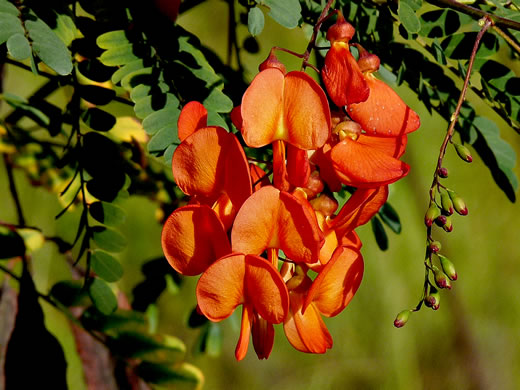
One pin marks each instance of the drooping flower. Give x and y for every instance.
(250, 281)
(211, 166)
(341, 74)
(327, 295)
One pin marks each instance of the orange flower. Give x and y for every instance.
(273, 219)
(341, 74)
(327, 295)
(211, 166)
(250, 281)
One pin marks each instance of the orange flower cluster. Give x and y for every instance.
(237, 222)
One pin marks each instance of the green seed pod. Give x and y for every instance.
(448, 226)
(447, 204)
(458, 203)
(448, 267)
(402, 318)
(435, 247)
(441, 280)
(463, 152)
(431, 214)
(433, 299)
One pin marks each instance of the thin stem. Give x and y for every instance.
(507, 38)
(12, 188)
(323, 16)
(488, 22)
(476, 13)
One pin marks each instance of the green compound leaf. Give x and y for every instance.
(414, 4)
(255, 21)
(19, 47)
(49, 47)
(167, 117)
(408, 18)
(119, 55)
(8, 8)
(498, 156)
(106, 266)
(287, 13)
(137, 345)
(9, 25)
(108, 239)
(125, 70)
(107, 213)
(112, 39)
(102, 296)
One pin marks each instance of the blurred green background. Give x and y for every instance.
(471, 342)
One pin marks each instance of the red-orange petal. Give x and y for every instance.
(193, 116)
(392, 146)
(336, 284)
(359, 209)
(262, 108)
(221, 287)
(358, 164)
(193, 238)
(322, 159)
(211, 162)
(263, 337)
(273, 219)
(298, 167)
(245, 332)
(384, 113)
(306, 332)
(306, 111)
(259, 177)
(342, 77)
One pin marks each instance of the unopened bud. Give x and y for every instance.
(433, 299)
(272, 62)
(458, 203)
(402, 318)
(441, 280)
(447, 204)
(448, 226)
(463, 152)
(435, 247)
(443, 172)
(448, 267)
(441, 220)
(431, 214)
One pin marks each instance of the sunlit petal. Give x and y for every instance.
(336, 284)
(342, 77)
(193, 116)
(193, 238)
(384, 113)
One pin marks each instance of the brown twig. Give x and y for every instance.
(12, 188)
(312, 42)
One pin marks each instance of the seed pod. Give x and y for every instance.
(441, 280)
(431, 214)
(435, 247)
(448, 267)
(446, 203)
(448, 227)
(433, 299)
(458, 203)
(463, 152)
(402, 318)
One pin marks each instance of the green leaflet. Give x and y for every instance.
(287, 13)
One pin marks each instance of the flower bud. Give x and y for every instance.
(443, 172)
(448, 267)
(272, 62)
(433, 299)
(441, 280)
(435, 247)
(447, 204)
(402, 318)
(463, 152)
(431, 214)
(440, 221)
(458, 203)
(448, 227)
